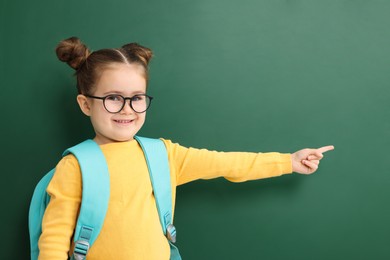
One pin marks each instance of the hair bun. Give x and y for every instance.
(73, 52)
(134, 50)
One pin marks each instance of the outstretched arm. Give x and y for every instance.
(306, 161)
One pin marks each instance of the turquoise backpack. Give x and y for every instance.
(96, 193)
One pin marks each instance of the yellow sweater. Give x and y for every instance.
(132, 229)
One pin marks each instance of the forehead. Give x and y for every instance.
(123, 78)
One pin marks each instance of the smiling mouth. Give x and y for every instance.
(123, 121)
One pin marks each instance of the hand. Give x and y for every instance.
(306, 161)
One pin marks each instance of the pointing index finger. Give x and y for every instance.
(325, 149)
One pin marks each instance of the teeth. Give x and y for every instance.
(123, 121)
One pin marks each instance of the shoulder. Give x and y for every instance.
(178, 152)
(166, 142)
(66, 178)
(67, 169)
(69, 162)
(172, 146)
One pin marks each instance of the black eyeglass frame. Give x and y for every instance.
(124, 101)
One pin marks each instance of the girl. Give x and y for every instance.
(112, 86)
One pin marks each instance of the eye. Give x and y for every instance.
(138, 98)
(114, 98)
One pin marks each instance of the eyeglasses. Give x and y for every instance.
(114, 103)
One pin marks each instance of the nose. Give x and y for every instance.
(127, 108)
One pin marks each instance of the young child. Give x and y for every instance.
(112, 86)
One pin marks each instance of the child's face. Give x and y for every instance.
(126, 80)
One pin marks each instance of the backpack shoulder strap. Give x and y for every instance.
(157, 160)
(95, 195)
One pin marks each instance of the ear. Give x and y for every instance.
(83, 104)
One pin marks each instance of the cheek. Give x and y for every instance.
(98, 110)
(99, 116)
(142, 117)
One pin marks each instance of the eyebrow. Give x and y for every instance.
(121, 93)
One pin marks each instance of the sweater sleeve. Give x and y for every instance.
(61, 213)
(191, 164)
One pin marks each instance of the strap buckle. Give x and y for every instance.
(80, 249)
(171, 233)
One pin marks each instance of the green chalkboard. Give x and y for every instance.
(248, 75)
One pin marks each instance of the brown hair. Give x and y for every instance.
(89, 65)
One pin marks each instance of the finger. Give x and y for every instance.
(325, 149)
(312, 167)
(315, 156)
(317, 162)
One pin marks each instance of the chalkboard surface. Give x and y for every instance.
(242, 75)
